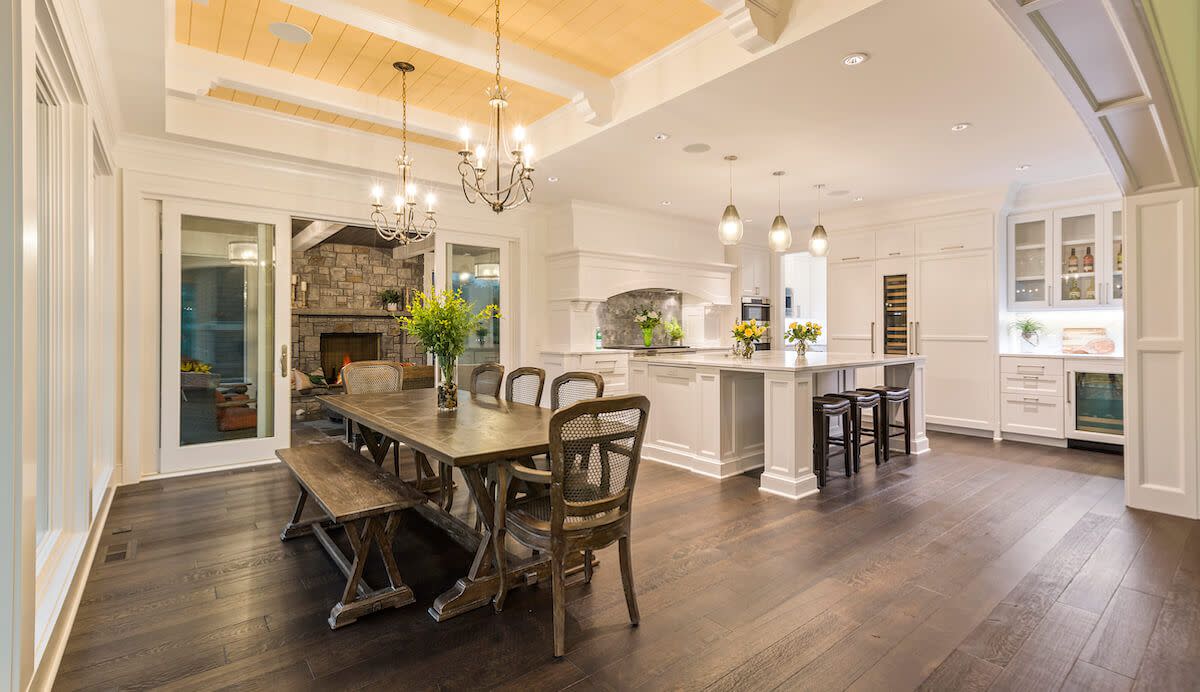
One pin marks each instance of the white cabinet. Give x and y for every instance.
(971, 232)
(954, 327)
(612, 366)
(899, 241)
(852, 247)
(852, 299)
(1031, 402)
(754, 269)
(1066, 258)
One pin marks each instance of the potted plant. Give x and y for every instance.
(745, 336)
(481, 333)
(441, 323)
(802, 334)
(647, 319)
(674, 332)
(391, 298)
(1029, 329)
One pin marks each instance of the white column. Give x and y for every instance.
(913, 377)
(787, 415)
(1161, 352)
(18, 352)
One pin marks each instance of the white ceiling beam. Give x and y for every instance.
(194, 71)
(314, 234)
(755, 24)
(411, 24)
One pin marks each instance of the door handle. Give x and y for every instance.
(917, 339)
(283, 361)
(872, 338)
(847, 259)
(910, 338)
(1070, 384)
(953, 247)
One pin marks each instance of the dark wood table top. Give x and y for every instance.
(482, 430)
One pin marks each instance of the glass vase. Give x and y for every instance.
(801, 348)
(747, 350)
(647, 336)
(447, 387)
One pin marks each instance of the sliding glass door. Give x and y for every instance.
(226, 326)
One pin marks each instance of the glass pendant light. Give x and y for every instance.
(729, 232)
(818, 242)
(779, 238)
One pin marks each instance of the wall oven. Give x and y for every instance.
(1095, 402)
(759, 310)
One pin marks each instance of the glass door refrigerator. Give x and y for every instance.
(1096, 401)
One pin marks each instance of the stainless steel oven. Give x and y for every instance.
(759, 310)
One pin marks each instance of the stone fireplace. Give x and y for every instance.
(340, 348)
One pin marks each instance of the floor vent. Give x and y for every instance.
(118, 552)
(121, 529)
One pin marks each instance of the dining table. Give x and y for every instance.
(481, 432)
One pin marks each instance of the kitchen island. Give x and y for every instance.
(720, 415)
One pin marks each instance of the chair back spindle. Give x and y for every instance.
(573, 387)
(372, 377)
(524, 386)
(487, 378)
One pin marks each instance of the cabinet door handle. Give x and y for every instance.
(872, 338)
(917, 339)
(953, 247)
(910, 338)
(1034, 399)
(847, 259)
(893, 254)
(1070, 384)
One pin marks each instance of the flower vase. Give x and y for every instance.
(447, 388)
(647, 336)
(747, 351)
(801, 348)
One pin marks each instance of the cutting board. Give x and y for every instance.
(1086, 340)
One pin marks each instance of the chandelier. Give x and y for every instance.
(818, 242)
(498, 189)
(404, 226)
(729, 231)
(779, 238)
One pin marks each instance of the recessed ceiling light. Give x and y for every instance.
(837, 193)
(747, 220)
(665, 202)
(697, 148)
(858, 199)
(959, 127)
(661, 137)
(1023, 167)
(855, 59)
(552, 179)
(291, 33)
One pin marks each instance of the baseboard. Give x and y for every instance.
(956, 430)
(204, 471)
(710, 468)
(1034, 439)
(47, 668)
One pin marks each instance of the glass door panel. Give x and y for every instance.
(1077, 236)
(1029, 245)
(1098, 403)
(1117, 259)
(475, 271)
(225, 319)
(895, 315)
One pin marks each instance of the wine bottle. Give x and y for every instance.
(1073, 292)
(1120, 257)
(1091, 292)
(1073, 262)
(1088, 260)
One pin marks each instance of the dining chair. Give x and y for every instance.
(571, 387)
(487, 378)
(595, 448)
(524, 386)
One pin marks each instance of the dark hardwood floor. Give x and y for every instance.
(980, 566)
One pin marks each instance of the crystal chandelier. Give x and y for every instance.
(504, 190)
(404, 227)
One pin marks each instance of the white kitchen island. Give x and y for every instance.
(720, 415)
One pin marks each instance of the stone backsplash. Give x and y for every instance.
(345, 280)
(615, 316)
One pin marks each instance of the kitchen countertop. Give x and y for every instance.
(786, 360)
(1070, 356)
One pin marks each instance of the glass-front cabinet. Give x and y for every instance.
(1066, 258)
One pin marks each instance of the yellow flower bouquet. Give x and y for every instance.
(746, 335)
(802, 334)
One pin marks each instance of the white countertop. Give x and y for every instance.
(779, 360)
(1068, 356)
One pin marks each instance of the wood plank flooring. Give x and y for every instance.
(980, 566)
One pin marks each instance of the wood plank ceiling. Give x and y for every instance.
(603, 36)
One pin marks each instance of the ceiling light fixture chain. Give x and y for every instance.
(474, 166)
(404, 227)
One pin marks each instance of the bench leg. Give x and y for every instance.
(295, 527)
(357, 598)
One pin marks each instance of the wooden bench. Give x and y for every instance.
(366, 501)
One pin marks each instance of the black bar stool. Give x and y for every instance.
(825, 409)
(894, 395)
(861, 401)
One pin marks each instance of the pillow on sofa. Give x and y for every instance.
(301, 381)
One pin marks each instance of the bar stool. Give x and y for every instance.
(861, 401)
(894, 395)
(825, 409)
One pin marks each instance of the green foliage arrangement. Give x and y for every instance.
(442, 320)
(673, 329)
(390, 295)
(1027, 327)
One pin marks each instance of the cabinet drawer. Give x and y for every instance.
(1050, 367)
(1027, 414)
(1047, 385)
(615, 383)
(604, 363)
(949, 235)
(850, 247)
(895, 242)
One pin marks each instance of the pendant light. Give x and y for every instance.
(779, 238)
(729, 232)
(818, 242)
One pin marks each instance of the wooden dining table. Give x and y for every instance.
(482, 431)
